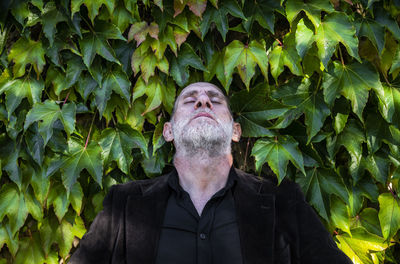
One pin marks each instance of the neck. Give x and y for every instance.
(202, 176)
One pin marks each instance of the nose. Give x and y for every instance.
(203, 101)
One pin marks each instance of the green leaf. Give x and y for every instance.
(147, 62)
(64, 237)
(157, 93)
(78, 229)
(76, 197)
(26, 51)
(218, 16)
(340, 122)
(285, 55)
(92, 6)
(51, 16)
(13, 205)
(117, 145)
(389, 214)
(47, 113)
(277, 153)
(377, 130)
(117, 81)
(254, 112)
(9, 239)
(47, 230)
(179, 66)
(158, 139)
(30, 251)
(373, 31)
(360, 244)
(33, 206)
(339, 215)
(352, 138)
(261, 11)
(244, 58)
(353, 82)
(18, 89)
(389, 104)
(96, 42)
(302, 100)
(10, 153)
(85, 86)
(40, 184)
(122, 18)
(311, 8)
(304, 38)
(335, 28)
(79, 157)
(378, 165)
(368, 219)
(318, 185)
(35, 144)
(383, 17)
(58, 198)
(216, 67)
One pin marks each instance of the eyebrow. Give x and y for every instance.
(209, 93)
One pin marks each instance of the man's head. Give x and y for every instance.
(201, 121)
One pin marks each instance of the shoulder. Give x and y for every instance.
(120, 192)
(287, 189)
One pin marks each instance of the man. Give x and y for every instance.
(205, 211)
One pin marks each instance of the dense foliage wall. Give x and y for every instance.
(86, 85)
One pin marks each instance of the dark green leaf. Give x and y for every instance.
(117, 145)
(318, 185)
(81, 156)
(244, 58)
(26, 51)
(179, 66)
(277, 152)
(335, 28)
(18, 89)
(49, 112)
(96, 42)
(353, 82)
(311, 8)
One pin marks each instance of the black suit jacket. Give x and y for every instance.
(276, 225)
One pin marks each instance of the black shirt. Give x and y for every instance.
(187, 238)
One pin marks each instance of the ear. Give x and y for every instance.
(237, 132)
(167, 132)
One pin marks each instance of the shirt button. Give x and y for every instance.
(203, 236)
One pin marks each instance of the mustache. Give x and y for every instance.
(207, 111)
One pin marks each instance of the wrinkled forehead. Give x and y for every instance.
(195, 88)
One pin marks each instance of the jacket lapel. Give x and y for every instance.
(143, 221)
(255, 212)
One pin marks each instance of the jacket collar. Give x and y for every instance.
(255, 209)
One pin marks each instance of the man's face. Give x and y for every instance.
(202, 120)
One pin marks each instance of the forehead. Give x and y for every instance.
(197, 88)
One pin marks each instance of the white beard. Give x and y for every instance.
(203, 136)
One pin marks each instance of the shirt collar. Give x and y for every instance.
(173, 182)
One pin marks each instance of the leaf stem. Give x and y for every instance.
(90, 130)
(318, 84)
(341, 55)
(385, 77)
(66, 98)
